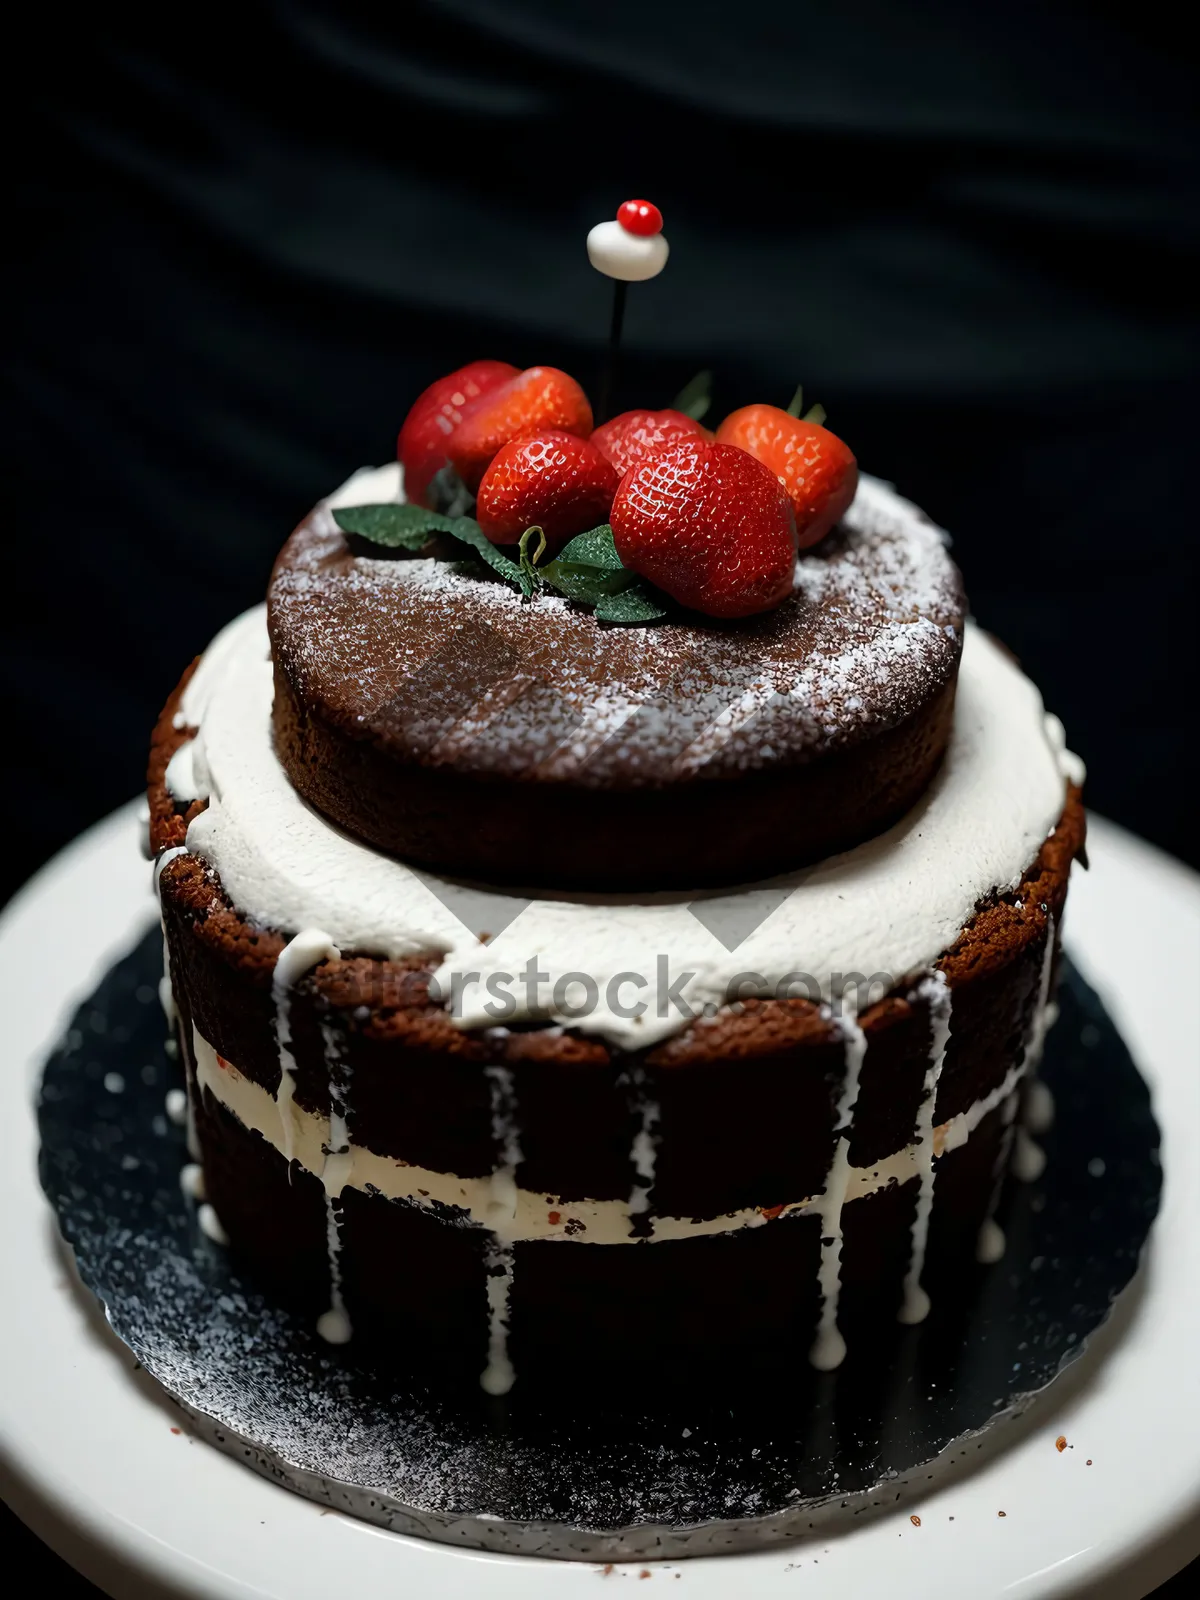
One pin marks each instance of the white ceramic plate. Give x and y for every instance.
(98, 1462)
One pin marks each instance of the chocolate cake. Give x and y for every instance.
(560, 993)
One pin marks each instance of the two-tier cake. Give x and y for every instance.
(612, 899)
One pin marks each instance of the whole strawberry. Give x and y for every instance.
(434, 416)
(815, 467)
(710, 525)
(561, 483)
(538, 400)
(632, 437)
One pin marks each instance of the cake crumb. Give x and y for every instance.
(916, 1521)
(1060, 1444)
(1002, 1513)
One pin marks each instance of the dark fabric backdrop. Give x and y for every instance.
(244, 244)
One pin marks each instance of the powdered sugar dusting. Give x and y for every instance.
(872, 631)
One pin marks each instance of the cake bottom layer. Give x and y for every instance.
(422, 1279)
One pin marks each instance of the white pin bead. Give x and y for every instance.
(631, 257)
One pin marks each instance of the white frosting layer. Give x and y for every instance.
(891, 906)
(515, 1214)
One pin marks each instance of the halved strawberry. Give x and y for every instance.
(632, 437)
(560, 482)
(815, 467)
(710, 525)
(433, 417)
(538, 400)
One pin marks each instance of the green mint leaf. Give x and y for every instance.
(393, 526)
(638, 604)
(695, 397)
(406, 527)
(595, 548)
(468, 532)
(589, 567)
(579, 581)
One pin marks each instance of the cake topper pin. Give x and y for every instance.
(629, 250)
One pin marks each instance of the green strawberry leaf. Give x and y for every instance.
(695, 397)
(394, 526)
(468, 532)
(796, 408)
(589, 567)
(637, 604)
(587, 570)
(595, 548)
(406, 527)
(579, 581)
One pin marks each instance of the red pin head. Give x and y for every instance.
(640, 217)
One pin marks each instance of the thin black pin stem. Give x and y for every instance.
(608, 373)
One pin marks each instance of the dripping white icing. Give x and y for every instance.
(166, 995)
(1039, 1107)
(210, 1224)
(1028, 1159)
(991, 1243)
(308, 949)
(936, 991)
(498, 1376)
(829, 1348)
(644, 1152)
(1073, 768)
(191, 1180)
(588, 1221)
(334, 1325)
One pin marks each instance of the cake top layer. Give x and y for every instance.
(438, 666)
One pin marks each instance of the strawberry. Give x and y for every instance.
(710, 525)
(818, 471)
(433, 417)
(538, 400)
(555, 480)
(634, 435)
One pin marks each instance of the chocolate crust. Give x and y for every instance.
(442, 720)
(747, 1098)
